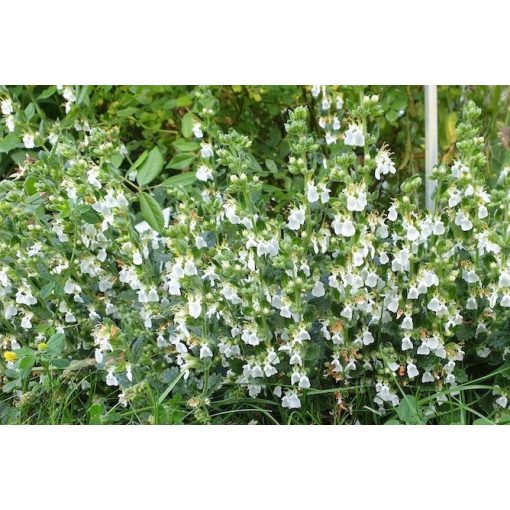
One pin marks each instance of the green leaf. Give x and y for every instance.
(29, 111)
(141, 158)
(187, 125)
(48, 92)
(170, 388)
(182, 145)
(27, 363)
(56, 344)
(89, 215)
(30, 185)
(10, 142)
(151, 211)
(95, 412)
(151, 167)
(181, 180)
(60, 363)
(11, 385)
(483, 421)
(181, 161)
(271, 166)
(408, 411)
(47, 290)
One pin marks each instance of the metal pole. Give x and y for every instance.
(430, 143)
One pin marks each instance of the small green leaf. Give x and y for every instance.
(187, 125)
(151, 211)
(60, 363)
(271, 166)
(48, 92)
(11, 385)
(56, 344)
(181, 161)
(151, 167)
(47, 290)
(29, 111)
(30, 185)
(89, 215)
(141, 158)
(181, 180)
(408, 411)
(182, 145)
(10, 142)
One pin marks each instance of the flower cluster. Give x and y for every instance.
(336, 289)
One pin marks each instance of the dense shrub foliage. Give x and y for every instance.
(197, 255)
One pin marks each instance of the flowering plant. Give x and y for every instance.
(341, 296)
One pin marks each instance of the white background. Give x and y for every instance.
(243, 42)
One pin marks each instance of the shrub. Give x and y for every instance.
(339, 296)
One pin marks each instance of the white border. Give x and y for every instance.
(255, 42)
(235, 467)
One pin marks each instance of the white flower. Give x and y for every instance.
(356, 202)
(291, 400)
(331, 138)
(197, 131)
(9, 122)
(354, 136)
(455, 197)
(111, 380)
(407, 323)
(195, 307)
(296, 218)
(368, 338)
(204, 173)
(318, 289)
(6, 106)
(205, 352)
(504, 279)
(137, 258)
(438, 228)
(412, 233)
(28, 141)
(311, 193)
(92, 175)
(316, 90)
(304, 382)
(384, 164)
(206, 151)
(412, 371)
(463, 221)
(406, 343)
(482, 212)
(427, 377)
(502, 401)
(346, 312)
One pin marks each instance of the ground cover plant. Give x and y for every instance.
(252, 255)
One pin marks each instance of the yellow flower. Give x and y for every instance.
(42, 346)
(10, 356)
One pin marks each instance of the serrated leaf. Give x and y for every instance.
(181, 180)
(181, 161)
(151, 211)
(151, 167)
